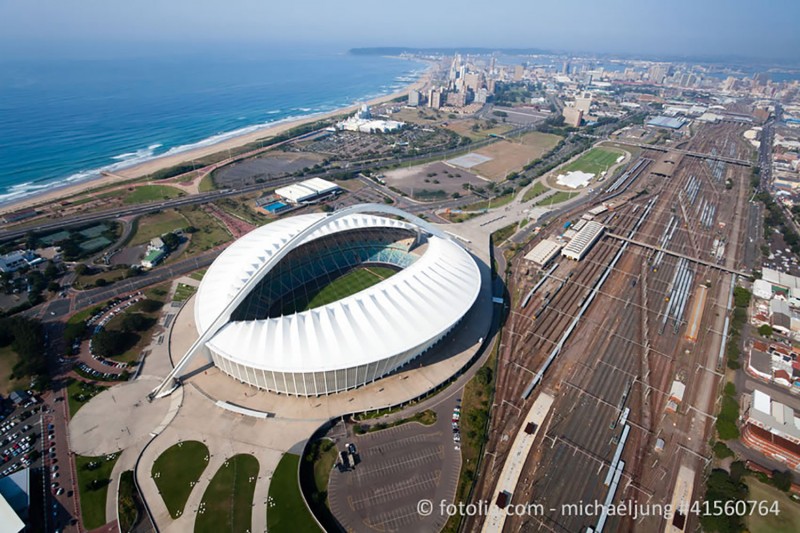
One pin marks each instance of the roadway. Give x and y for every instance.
(202, 198)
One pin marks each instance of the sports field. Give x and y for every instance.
(354, 281)
(511, 155)
(789, 515)
(594, 161)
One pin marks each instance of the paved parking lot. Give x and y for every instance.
(397, 468)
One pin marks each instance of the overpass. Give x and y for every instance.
(677, 254)
(690, 153)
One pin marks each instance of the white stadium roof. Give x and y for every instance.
(403, 312)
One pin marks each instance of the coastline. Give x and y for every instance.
(165, 161)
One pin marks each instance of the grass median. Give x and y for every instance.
(176, 471)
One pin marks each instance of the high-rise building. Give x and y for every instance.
(481, 95)
(413, 98)
(473, 80)
(435, 99)
(519, 72)
(458, 99)
(658, 72)
(572, 116)
(584, 103)
(490, 85)
(565, 67)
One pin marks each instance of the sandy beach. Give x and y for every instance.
(149, 167)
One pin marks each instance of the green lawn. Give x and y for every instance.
(227, 504)
(8, 358)
(80, 392)
(183, 292)
(352, 282)
(557, 198)
(157, 224)
(141, 338)
(594, 161)
(126, 501)
(175, 471)
(152, 193)
(210, 231)
(537, 189)
(785, 522)
(93, 497)
(504, 233)
(494, 202)
(198, 274)
(286, 511)
(206, 184)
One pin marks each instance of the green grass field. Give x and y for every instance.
(8, 358)
(183, 292)
(785, 522)
(175, 470)
(93, 497)
(594, 161)
(557, 198)
(493, 203)
(350, 283)
(210, 231)
(157, 224)
(227, 504)
(152, 193)
(537, 189)
(80, 392)
(198, 274)
(287, 512)
(206, 184)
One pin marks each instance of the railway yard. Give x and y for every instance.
(627, 341)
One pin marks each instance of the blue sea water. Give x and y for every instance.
(63, 121)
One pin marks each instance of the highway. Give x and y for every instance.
(10, 234)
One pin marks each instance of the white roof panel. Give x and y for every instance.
(397, 315)
(761, 402)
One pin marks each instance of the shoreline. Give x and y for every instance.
(145, 168)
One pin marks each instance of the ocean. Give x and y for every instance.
(64, 121)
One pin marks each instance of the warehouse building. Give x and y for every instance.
(544, 252)
(581, 243)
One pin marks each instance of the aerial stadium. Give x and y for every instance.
(320, 303)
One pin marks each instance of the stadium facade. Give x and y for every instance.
(322, 303)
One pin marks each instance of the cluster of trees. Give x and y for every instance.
(741, 301)
(508, 94)
(724, 489)
(774, 219)
(114, 342)
(728, 415)
(26, 338)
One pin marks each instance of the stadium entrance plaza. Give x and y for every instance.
(122, 418)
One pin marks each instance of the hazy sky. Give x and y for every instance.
(758, 28)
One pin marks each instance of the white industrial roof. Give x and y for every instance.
(319, 185)
(584, 240)
(762, 289)
(543, 252)
(401, 313)
(780, 278)
(777, 417)
(295, 192)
